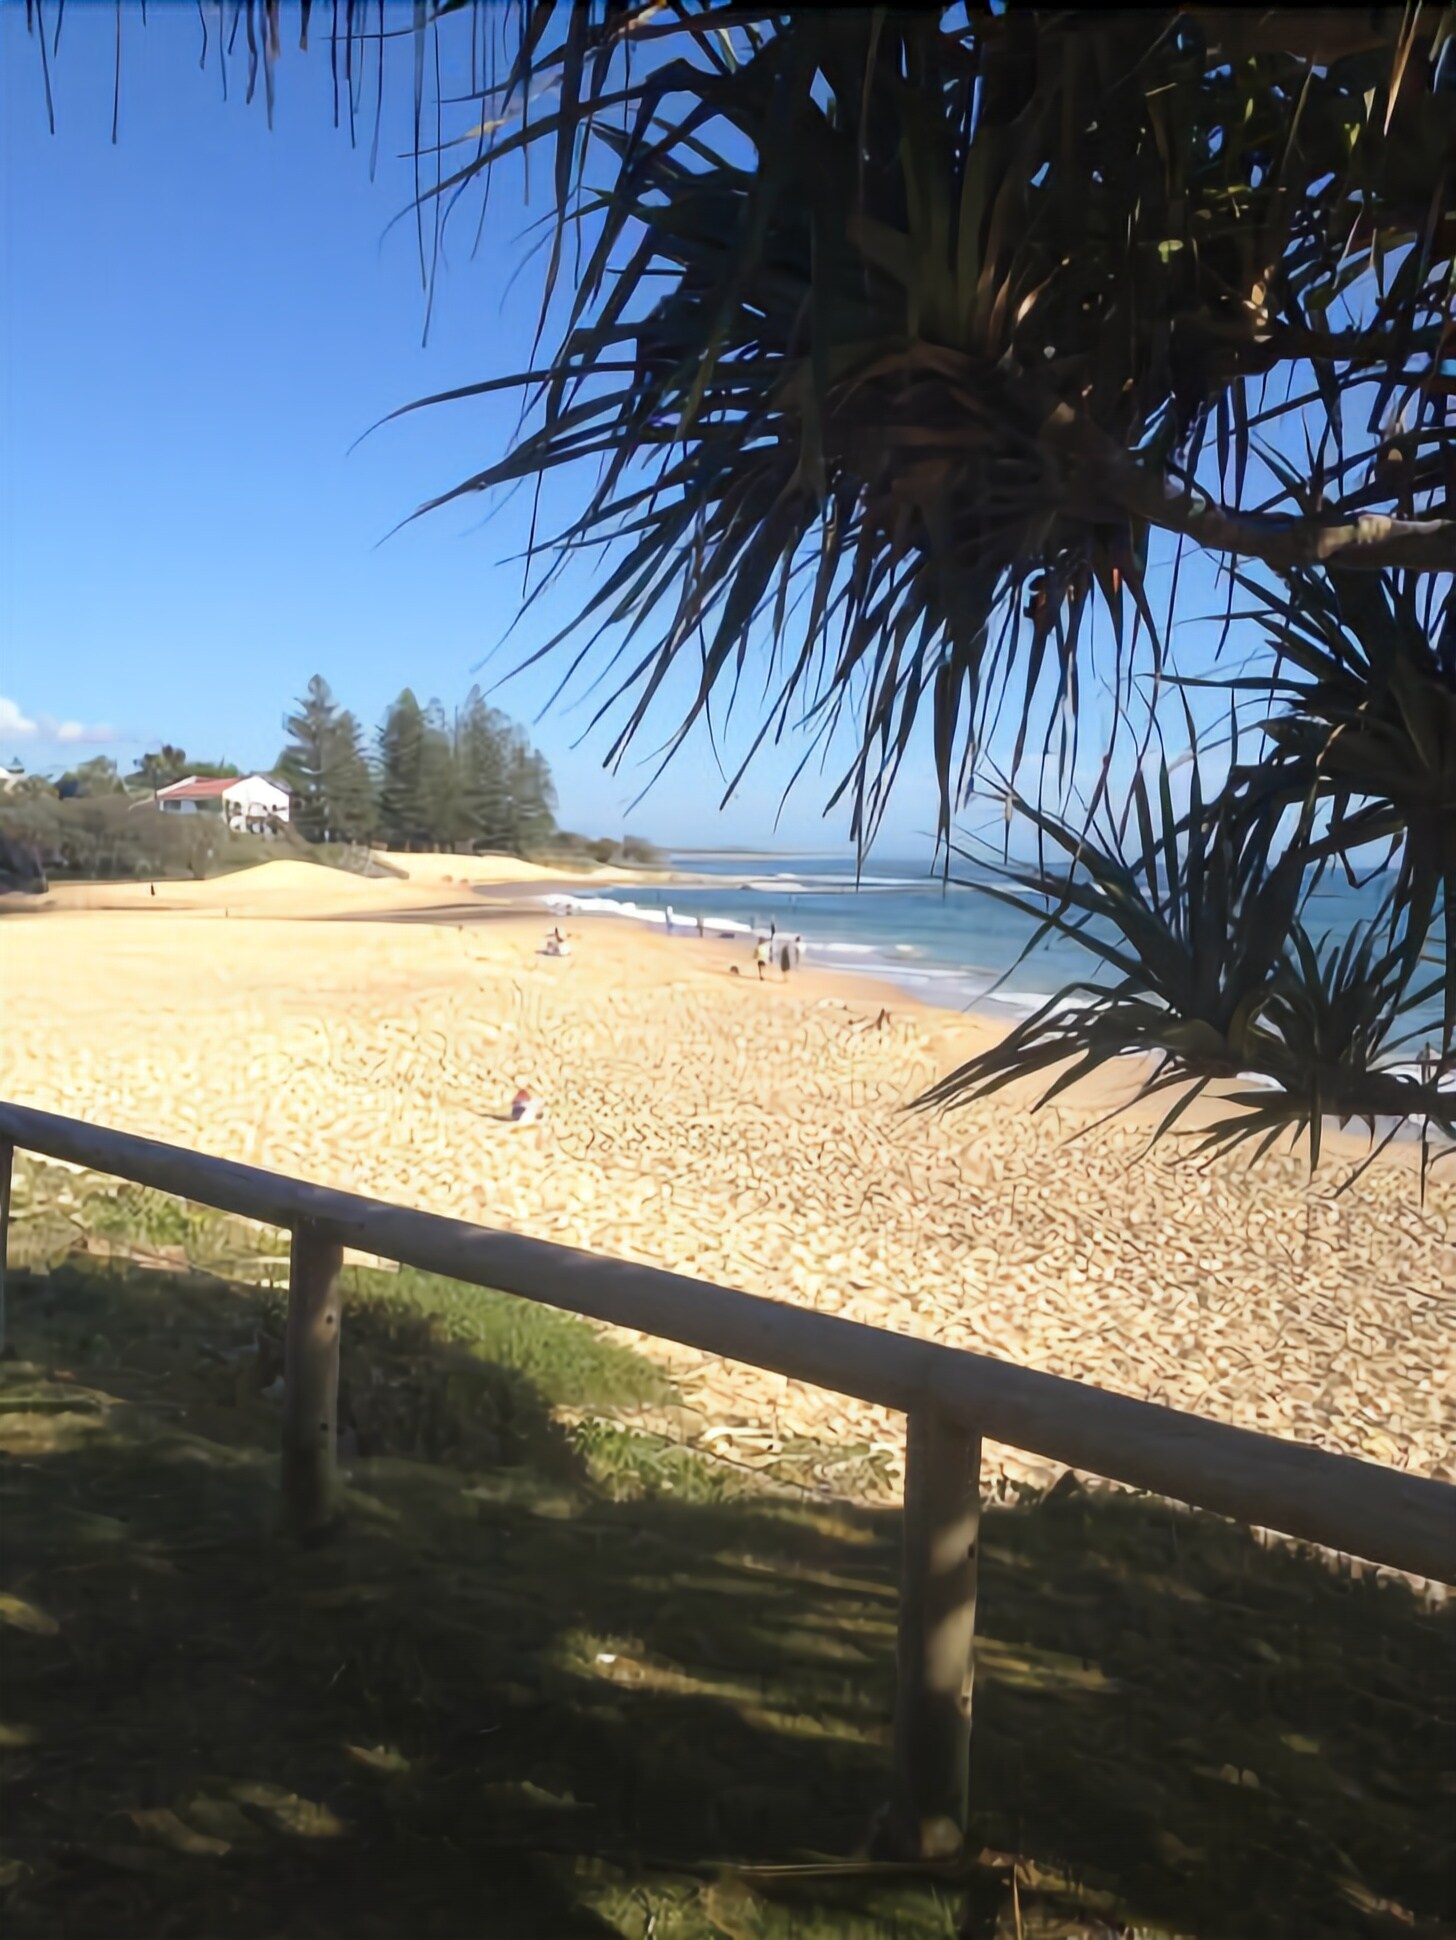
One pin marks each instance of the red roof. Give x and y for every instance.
(193, 790)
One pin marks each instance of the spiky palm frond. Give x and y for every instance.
(1363, 721)
(1210, 972)
(896, 337)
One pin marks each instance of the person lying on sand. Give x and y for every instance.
(525, 1107)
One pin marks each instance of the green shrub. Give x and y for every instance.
(121, 837)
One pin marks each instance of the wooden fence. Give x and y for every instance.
(952, 1399)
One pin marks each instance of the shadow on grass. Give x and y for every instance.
(536, 1689)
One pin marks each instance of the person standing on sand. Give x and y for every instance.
(760, 956)
(786, 958)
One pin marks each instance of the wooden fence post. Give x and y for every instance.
(936, 1637)
(311, 1380)
(7, 1167)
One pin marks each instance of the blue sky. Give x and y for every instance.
(197, 324)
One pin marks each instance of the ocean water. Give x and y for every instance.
(949, 944)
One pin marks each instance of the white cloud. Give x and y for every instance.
(15, 725)
(12, 722)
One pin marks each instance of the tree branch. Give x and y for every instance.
(1317, 34)
(1367, 541)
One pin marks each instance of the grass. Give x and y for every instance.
(559, 1677)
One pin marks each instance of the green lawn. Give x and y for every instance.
(560, 1677)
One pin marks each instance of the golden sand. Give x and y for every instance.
(751, 1134)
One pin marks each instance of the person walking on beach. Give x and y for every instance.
(700, 926)
(786, 958)
(760, 956)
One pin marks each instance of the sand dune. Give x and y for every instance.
(752, 1134)
(280, 889)
(290, 889)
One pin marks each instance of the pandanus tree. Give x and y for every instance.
(893, 353)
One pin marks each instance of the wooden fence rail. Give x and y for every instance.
(952, 1398)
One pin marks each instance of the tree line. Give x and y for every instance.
(428, 780)
(467, 780)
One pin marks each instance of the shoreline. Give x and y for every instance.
(983, 1019)
(756, 1136)
(440, 894)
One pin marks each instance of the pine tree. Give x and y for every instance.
(303, 762)
(348, 783)
(532, 797)
(480, 744)
(442, 812)
(401, 774)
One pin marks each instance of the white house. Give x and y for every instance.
(250, 804)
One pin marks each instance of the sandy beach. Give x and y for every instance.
(298, 1019)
